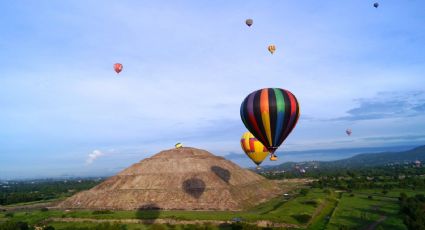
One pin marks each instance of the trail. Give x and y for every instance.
(31, 206)
(260, 223)
(375, 224)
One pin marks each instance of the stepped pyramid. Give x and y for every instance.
(183, 178)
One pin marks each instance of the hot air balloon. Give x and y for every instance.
(271, 48)
(249, 22)
(270, 114)
(178, 145)
(254, 149)
(348, 132)
(375, 5)
(118, 67)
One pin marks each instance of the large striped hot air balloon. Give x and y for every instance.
(253, 148)
(270, 114)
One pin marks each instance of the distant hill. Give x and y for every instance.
(385, 158)
(361, 160)
(313, 155)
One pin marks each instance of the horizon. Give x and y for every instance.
(187, 67)
(242, 161)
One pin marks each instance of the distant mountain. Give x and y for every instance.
(313, 155)
(361, 160)
(385, 158)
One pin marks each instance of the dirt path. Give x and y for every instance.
(29, 207)
(375, 224)
(261, 223)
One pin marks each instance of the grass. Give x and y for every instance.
(359, 211)
(392, 192)
(285, 212)
(321, 220)
(327, 210)
(63, 225)
(277, 210)
(34, 202)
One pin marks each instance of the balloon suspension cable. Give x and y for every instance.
(272, 150)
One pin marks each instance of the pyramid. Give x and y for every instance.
(183, 179)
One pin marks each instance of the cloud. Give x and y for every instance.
(93, 156)
(388, 105)
(410, 137)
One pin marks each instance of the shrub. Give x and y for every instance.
(102, 212)
(44, 209)
(9, 214)
(343, 227)
(11, 225)
(193, 227)
(370, 197)
(158, 227)
(327, 191)
(304, 192)
(302, 218)
(310, 202)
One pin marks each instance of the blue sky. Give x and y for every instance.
(187, 67)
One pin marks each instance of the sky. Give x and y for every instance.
(188, 65)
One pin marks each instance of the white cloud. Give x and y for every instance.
(93, 156)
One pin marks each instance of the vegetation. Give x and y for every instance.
(14, 192)
(412, 209)
(387, 197)
(102, 212)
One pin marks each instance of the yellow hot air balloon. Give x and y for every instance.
(271, 48)
(253, 148)
(178, 145)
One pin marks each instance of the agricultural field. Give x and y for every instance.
(370, 209)
(303, 208)
(295, 210)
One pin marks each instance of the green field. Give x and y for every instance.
(318, 209)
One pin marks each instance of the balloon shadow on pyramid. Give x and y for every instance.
(195, 187)
(222, 173)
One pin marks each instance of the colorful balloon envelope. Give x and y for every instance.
(270, 114)
(249, 22)
(118, 67)
(271, 48)
(375, 5)
(253, 148)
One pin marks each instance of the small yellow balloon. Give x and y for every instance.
(271, 48)
(253, 148)
(178, 145)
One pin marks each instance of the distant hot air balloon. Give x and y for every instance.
(270, 114)
(253, 148)
(249, 22)
(271, 48)
(178, 145)
(118, 67)
(348, 132)
(375, 5)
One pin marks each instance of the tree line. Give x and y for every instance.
(28, 191)
(412, 209)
